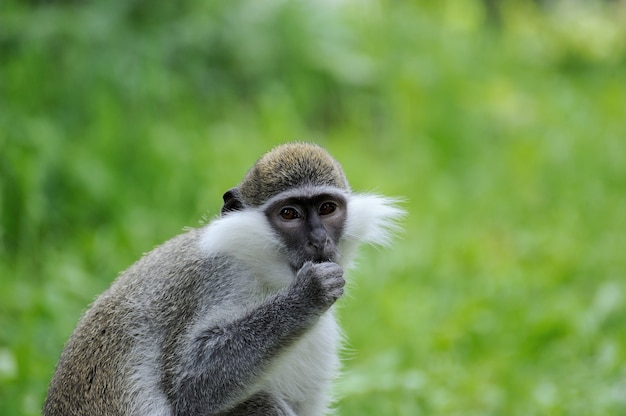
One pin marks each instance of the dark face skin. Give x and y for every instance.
(310, 227)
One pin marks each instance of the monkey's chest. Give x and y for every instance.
(302, 376)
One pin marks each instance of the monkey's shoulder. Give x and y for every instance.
(180, 258)
(184, 268)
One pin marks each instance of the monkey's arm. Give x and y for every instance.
(222, 365)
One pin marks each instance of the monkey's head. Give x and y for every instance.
(303, 192)
(285, 167)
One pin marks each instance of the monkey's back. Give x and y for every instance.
(121, 337)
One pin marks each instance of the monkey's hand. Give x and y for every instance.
(320, 283)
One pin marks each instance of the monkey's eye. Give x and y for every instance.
(289, 214)
(327, 208)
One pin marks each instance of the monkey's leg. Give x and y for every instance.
(261, 404)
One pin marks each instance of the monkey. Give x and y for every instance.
(235, 317)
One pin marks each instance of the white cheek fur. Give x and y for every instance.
(372, 219)
(242, 234)
(247, 236)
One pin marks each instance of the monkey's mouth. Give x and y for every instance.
(313, 259)
(321, 255)
(322, 259)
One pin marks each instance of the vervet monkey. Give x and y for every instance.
(234, 318)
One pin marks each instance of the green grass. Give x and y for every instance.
(506, 293)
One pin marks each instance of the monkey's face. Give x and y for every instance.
(309, 225)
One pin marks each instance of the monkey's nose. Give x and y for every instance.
(316, 246)
(319, 251)
(318, 240)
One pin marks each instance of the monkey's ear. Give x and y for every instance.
(232, 201)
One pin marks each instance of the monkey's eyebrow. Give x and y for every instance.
(310, 192)
(294, 200)
(307, 200)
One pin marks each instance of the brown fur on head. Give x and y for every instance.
(284, 167)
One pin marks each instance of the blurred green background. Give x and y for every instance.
(502, 124)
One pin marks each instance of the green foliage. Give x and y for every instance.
(122, 122)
